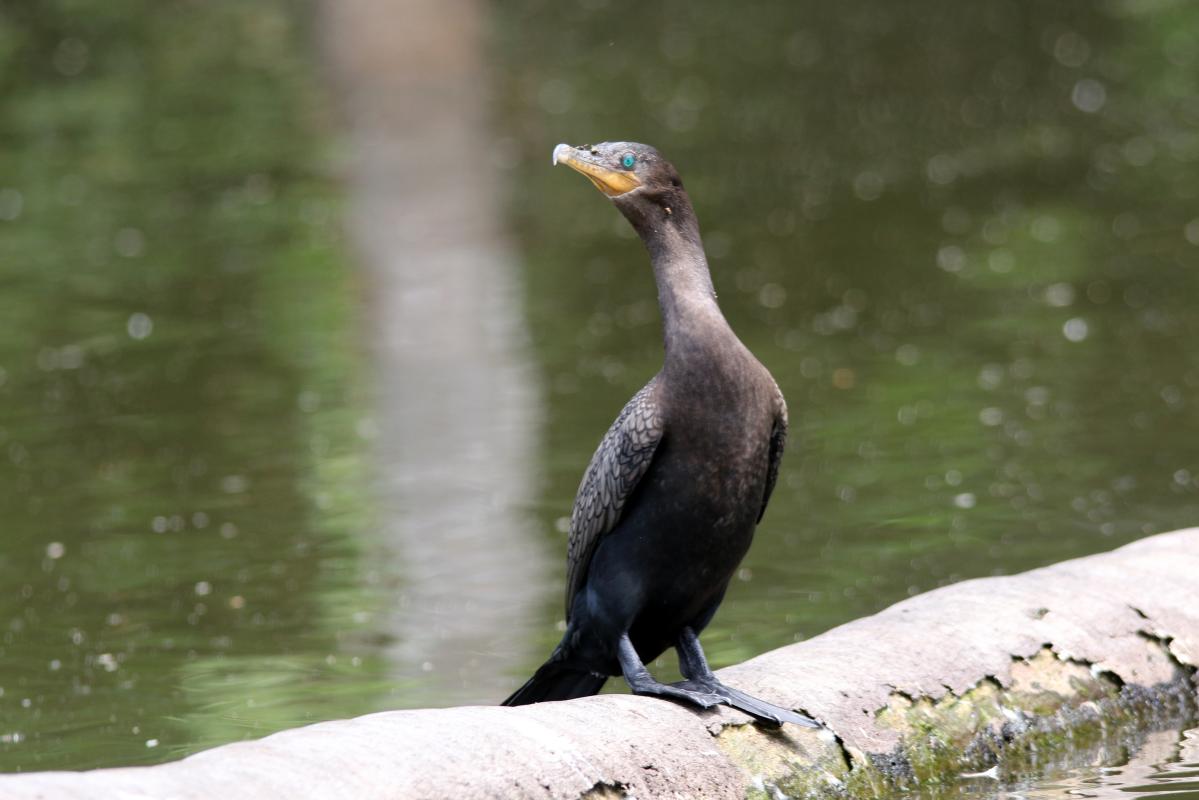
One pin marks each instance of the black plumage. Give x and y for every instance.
(668, 505)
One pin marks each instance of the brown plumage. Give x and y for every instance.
(668, 505)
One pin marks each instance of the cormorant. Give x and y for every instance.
(668, 504)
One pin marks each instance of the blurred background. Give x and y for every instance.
(305, 345)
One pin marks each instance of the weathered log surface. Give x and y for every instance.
(933, 684)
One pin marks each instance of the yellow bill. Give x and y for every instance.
(611, 182)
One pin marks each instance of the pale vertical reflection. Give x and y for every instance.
(458, 399)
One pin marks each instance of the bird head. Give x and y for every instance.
(621, 169)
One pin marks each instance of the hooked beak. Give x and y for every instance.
(612, 182)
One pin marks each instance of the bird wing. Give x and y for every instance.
(622, 458)
(778, 442)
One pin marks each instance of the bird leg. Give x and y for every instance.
(700, 679)
(641, 682)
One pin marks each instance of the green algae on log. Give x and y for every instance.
(989, 673)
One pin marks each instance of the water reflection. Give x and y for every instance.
(1165, 764)
(459, 400)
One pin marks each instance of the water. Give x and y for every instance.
(232, 489)
(1162, 764)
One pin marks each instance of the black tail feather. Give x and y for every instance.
(556, 680)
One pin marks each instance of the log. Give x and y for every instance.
(961, 678)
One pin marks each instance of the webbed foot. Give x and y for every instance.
(760, 710)
(701, 679)
(642, 683)
(676, 691)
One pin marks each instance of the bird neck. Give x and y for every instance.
(685, 292)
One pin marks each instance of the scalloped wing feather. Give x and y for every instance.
(621, 460)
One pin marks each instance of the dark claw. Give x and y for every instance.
(760, 710)
(695, 695)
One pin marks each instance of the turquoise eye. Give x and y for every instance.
(628, 161)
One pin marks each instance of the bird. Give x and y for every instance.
(668, 504)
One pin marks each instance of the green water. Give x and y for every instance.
(1156, 764)
(966, 244)
(181, 475)
(977, 298)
